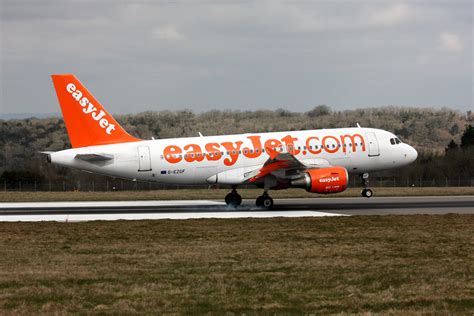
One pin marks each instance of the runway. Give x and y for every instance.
(314, 207)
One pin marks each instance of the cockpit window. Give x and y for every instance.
(395, 141)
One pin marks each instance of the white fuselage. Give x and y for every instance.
(227, 159)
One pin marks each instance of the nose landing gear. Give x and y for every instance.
(233, 198)
(366, 192)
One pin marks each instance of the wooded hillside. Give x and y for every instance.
(428, 130)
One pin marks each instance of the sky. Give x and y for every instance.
(138, 55)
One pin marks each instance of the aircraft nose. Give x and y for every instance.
(412, 153)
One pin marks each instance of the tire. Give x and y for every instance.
(259, 201)
(233, 199)
(237, 200)
(229, 198)
(363, 192)
(267, 202)
(368, 193)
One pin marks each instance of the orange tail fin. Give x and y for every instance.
(87, 122)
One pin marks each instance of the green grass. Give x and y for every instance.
(360, 264)
(217, 194)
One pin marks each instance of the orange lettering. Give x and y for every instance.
(289, 141)
(233, 152)
(326, 147)
(271, 147)
(193, 153)
(172, 154)
(352, 141)
(257, 147)
(309, 146)
(213, 151)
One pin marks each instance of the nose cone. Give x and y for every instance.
(411, 154)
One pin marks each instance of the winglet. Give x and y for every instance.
(87, 122)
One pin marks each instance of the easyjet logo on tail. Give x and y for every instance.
(89, 108)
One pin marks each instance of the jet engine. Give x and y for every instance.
(324, 181)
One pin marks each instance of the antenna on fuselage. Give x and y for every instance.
(358, 125)
(200, 135)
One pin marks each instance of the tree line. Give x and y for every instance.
(443, 137)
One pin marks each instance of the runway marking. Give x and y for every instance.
(138, 216)
(35, 205)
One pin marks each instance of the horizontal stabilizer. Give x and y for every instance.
(94, 157)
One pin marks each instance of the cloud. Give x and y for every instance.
(451, 42)
(245, 54)
(391, 15)
(167, 33)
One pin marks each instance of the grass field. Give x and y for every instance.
(218, 194)
(359, 264)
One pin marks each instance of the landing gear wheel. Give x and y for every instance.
(267, 202)
(264, 201)
(367, 193)
(233, 199)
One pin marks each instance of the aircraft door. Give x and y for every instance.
(373, 144)
(144, 158)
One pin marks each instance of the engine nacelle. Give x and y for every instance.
(324, 181)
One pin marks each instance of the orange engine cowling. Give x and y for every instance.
(324, 181)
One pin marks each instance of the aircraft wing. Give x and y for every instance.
(284, 165)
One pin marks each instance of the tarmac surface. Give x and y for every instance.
(314, 207)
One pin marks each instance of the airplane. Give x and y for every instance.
(318, 161)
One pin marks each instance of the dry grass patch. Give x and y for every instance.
(389, 264)
(218, 194)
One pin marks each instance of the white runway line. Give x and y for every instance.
(114, 217)
(108, 204)
(234, 213)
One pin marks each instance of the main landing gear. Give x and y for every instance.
(366, 192)
(233, 198)
(264, 201)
